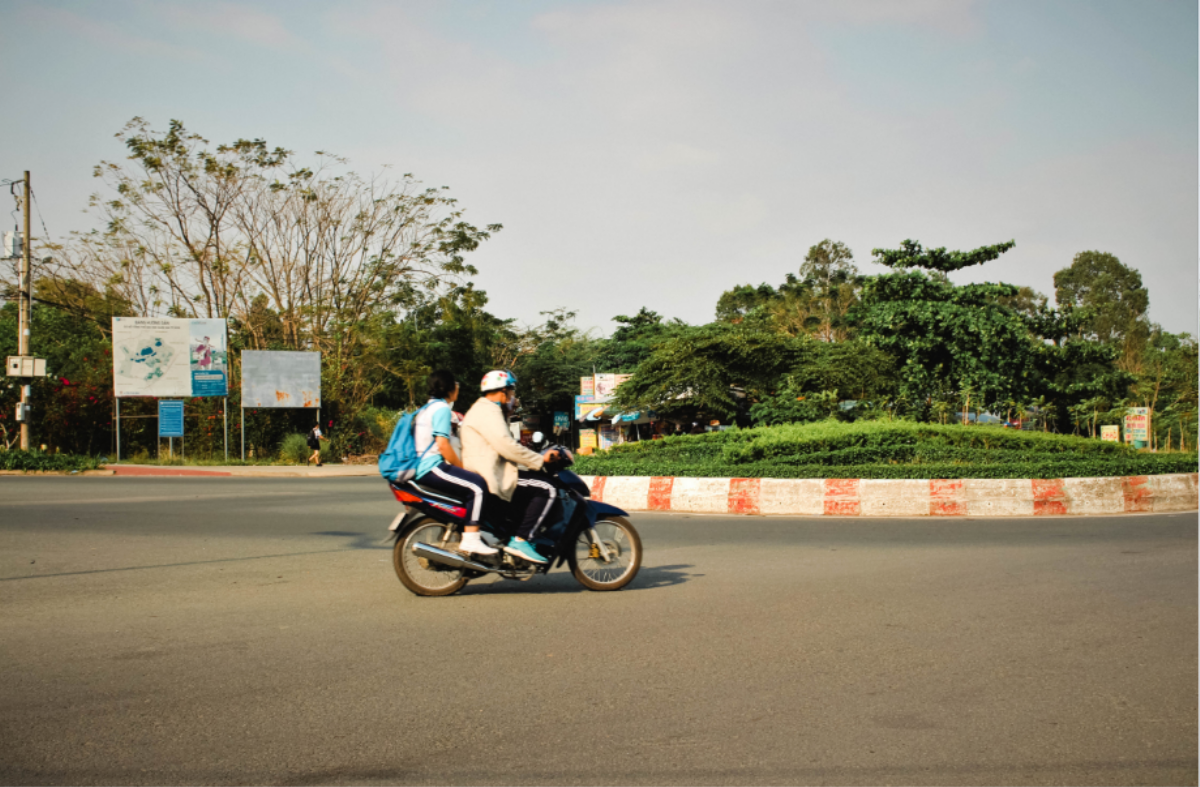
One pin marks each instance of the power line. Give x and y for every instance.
(33, 199)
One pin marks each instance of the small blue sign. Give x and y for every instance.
(170, 418)
(562, 420)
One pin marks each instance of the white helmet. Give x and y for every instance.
(498, 379)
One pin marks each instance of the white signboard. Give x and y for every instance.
(158, 356)
(281, 379)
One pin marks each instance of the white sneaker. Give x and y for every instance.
(473, 544)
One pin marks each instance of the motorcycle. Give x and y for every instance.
(595, 540)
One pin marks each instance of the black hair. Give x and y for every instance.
(441, 384)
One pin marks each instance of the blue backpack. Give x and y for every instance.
(399, 462)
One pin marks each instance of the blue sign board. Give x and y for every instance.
(562, 420)
(170, 418)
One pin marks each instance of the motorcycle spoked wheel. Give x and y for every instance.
(422, 576)
(624, 547)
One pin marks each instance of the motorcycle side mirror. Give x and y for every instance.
(538, 437)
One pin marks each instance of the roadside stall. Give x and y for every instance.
(601, 424)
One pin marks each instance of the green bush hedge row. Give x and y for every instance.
(1068, 468)
(881, 450)
(35, 460)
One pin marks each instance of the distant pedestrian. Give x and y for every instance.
(314, 442)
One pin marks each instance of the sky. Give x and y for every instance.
(655, 153)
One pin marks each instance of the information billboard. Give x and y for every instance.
(273, 378)
(160, 356)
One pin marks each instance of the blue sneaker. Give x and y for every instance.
(524, 550)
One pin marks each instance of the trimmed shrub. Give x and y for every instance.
(36, 460)
(881, 449)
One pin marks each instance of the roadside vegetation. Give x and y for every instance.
(303, 254)
(36, 461)
(881, 449)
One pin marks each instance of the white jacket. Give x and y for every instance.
(490, 450)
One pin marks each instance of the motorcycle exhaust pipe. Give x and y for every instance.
(450, 559)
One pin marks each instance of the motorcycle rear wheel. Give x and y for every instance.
(422, 576)
(624, 547)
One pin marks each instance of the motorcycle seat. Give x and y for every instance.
(412, 487)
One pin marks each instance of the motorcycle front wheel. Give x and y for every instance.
(624, 548)
(420, 575)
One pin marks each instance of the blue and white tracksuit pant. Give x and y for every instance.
(461, 483)
(535, 500)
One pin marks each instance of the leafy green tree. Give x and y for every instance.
(828, 290)
(73, 405)
(912, 255)
(738, 303)
(827, 375)
(634, 340)
(1115, 298)
(815, 303)
(1167, 380)
(711, 369)
(943, 336)
(550, 374)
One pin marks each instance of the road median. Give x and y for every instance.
(974, 497)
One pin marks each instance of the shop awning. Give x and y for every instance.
(637, 417)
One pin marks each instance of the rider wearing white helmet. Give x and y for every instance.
(490, 450)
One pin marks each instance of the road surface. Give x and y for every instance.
(199, 631)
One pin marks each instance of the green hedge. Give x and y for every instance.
(894, 449)
(35, 460)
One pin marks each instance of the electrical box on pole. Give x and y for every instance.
(13, 244)
(25, 366)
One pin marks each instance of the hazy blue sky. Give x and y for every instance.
(655, 153)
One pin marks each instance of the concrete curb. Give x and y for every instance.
(247, 471)
(57, 472)
(900, 498)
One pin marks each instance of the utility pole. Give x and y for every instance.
(23, 312)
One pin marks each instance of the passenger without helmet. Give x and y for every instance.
(440, 468)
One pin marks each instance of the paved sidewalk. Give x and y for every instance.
(248, 471)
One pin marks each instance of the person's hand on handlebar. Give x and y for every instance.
(551, 455)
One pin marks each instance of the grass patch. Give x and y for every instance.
(881, 449)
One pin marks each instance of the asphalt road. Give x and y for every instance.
(197, 631)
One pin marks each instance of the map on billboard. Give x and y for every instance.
(272, 378)
(155, 356)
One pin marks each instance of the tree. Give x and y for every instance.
(943, 336)
(297, 258)
(73, 405)
(827, 291)
(714, 369)
(550, 374)
(736, 304)
(1116, 299)
(912, 255)
(825, 376)
(634, 340)
(815, 303)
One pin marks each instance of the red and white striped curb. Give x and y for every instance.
(868, 497)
